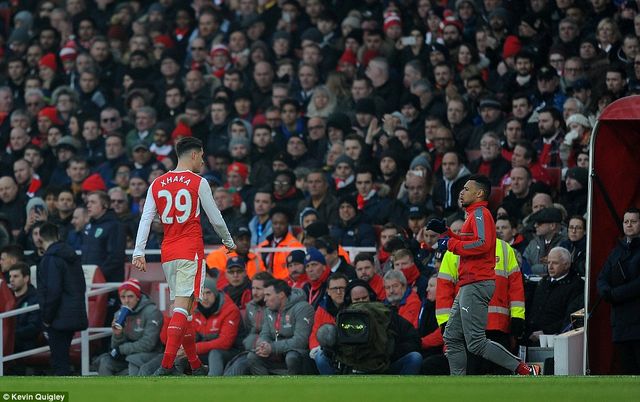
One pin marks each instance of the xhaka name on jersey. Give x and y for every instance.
(175, 179)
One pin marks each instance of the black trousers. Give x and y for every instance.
(60, 342)
(629, 355)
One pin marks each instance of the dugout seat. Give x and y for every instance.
(7, 303)
(496, 197)
(149, 281)
(555, 175)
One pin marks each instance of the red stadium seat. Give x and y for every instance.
(150, 280)
(7, 303)
(556, 177)
(496, 197)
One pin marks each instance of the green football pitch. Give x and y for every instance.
(329, 389)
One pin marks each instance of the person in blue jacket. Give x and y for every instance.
(104, 239)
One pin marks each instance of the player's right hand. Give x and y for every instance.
(230, 247)
(140, 263)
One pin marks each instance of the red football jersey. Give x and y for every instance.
(177, 199)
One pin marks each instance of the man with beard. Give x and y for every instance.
(390, 172)
(366, 271)
(239, 285)
(521, 80)
(284, 346)
(28, 326)
(295, 265)
(477, 283)
(452, 34)
(551, 127)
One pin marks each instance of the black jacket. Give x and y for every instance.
(61, 289)
(406, 337)
(354, 233)
(103, 244)
(619, 284)
(29, 325)
(553, 303)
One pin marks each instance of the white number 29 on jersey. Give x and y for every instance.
(183, 206)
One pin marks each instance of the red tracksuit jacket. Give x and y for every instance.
(476, 245)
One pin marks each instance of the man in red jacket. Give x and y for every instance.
(216, 320)
(476, 247)
(366, 270)
(326, 313)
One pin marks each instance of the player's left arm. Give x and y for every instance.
(481, 242)
(214, 215)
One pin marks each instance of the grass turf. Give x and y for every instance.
(328, 389)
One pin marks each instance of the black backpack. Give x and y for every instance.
(364, 341)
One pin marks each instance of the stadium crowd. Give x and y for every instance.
(326, 124)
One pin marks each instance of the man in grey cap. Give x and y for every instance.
(492, 120)
(547, 222)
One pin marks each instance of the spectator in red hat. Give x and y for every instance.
(220, 60)
(136, 332)
(68, 58)
(347, 64)
(47, 71)
(392, 27)
(93, 183)
(452, 33)
(237, 174)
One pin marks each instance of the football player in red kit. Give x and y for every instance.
(177, 197)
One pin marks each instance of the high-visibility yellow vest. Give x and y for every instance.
(508, 297)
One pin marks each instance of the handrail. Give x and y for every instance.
(84, 339)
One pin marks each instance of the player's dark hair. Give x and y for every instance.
(13, 250)
(280, 210)
(187, 144)
(328, 243)
(22, 267)
(484, 183)
(262, 276)
(336, 276)
(364, 256)
(279, 286)
(49, 232)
